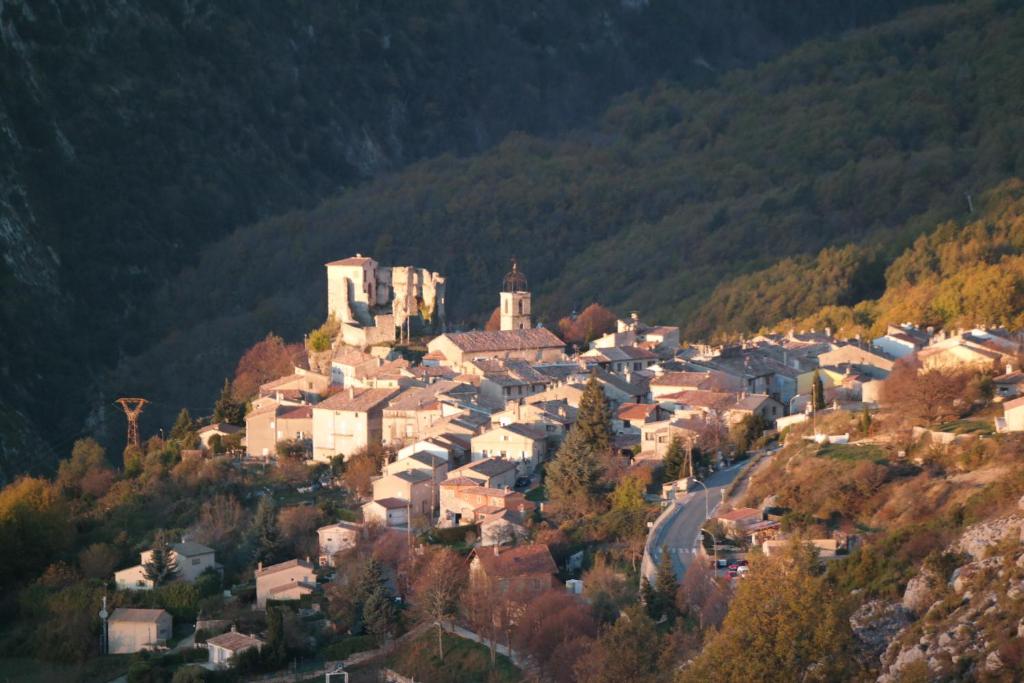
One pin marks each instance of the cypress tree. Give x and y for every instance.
(648, 596)
(226, 409)
(275, 652)
(162, 566)
(594, 419)
(675, 460)
(665, 586)
(267, 535)
(183, 430)
(817, 392)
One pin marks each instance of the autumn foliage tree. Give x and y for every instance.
(594, 321)
(553, 626)
(928, 396)
(439, 584)
(265, 360)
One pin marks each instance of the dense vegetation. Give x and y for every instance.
(132, 134)
(778, 174)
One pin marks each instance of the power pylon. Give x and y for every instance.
(132, 408)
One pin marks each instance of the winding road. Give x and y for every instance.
(679, 528)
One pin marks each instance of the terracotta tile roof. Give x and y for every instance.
(222, 427)
(357, 400)
(295, 412)
(529, 431)
(135, 614)
(391, 503)
(489, 467)
(434, 355)
(517, 561)
(349, 526)
(636, 411)
(505, 340)
(350, 261)
(710, 380)
(1015, 403)
(190, 549)
(234, 641)
(739, 514)
(281, 566)
(461, 481)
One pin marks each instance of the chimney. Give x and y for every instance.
(351, 392)
(497, 550)
(1009, 368)
(259, 566)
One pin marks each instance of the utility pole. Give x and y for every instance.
(132, 409)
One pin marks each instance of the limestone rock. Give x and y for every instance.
(918, 594)
(876, 623)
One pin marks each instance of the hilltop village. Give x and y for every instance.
(402, 489)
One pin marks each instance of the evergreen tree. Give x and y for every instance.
(573, 477)
(380, 614)
(665, 586)
(676, 466)
(594, 419)
(628, 651)
(785, 623)
(817, 392)
(163, 565)
(865, 421)
(183, 431)
(266, 534)
(648, 596)
(227, 409)
(275, 652)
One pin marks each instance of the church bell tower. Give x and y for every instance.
(515, 301)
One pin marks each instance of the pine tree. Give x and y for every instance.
(665, 586)
(676, 466)
(573, 477)
(183, 430)
(227, 409)
(594, 420)
(627, 651)
(163, 565)
(265, 532)
(817, 392)
(648, 597)
(380, 614)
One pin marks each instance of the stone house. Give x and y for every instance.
(388, 512)
(410, 415)
(221, 429)
(525, 445)
(492, 472)
(427, 462)
(656, 437)
(284, 581)
(1013, 416)
(414, 486)
(303, 385)
(348, 421)
(335, 538)
(620, 360)
(276, 423)
(534, 345)
(132, 630)
(191, 558)
(465, 501)
(736, 521)
(519, 574)
(223, 649)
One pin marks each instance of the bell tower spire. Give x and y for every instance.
(515, 300)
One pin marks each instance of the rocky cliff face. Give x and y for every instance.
(966, 625)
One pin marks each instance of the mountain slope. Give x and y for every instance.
(134, 133)
(871, 139)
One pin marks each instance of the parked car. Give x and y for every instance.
(522, 482)
(722, 563)
(743, 569)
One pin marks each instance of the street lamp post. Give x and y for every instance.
(707, 507)
(714, 545)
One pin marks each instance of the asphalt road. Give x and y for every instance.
(679, 534)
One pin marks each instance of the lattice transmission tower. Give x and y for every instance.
(132, 409)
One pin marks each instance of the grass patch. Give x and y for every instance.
(463, 660)
(852, 452)
(537, 495)
(346, 647)
(967, 427)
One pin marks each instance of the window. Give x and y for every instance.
(195, 561)
(520, 307)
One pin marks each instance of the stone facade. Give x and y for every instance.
(372, 301)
